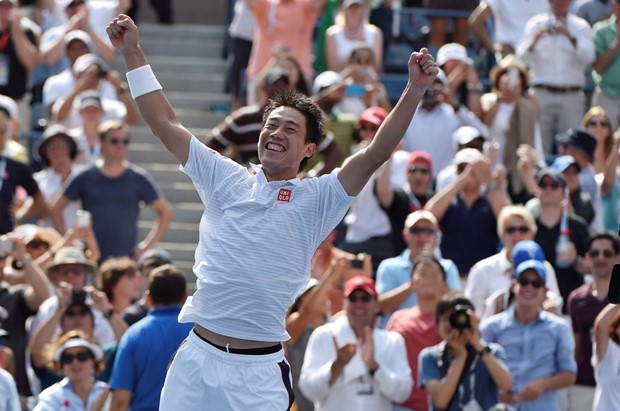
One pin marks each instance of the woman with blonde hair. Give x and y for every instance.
(78, 358)
(597, 122)
(351, 28)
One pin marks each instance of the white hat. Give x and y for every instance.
(466, 134)
(78, 35)
(413, 218)
(84, 62)
(324, 80)
(452, 51)
(467, 156)
(79, 342)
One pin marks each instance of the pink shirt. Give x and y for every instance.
(288, 23)
(419, 331)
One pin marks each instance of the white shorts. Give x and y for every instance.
(202, 377)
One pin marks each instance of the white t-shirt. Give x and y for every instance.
(510, 17)
(62, 84)
(50, 183)
(9, 399)
(607, 373)
(256, 241)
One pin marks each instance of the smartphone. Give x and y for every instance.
(356, 263)
(78, 297)
(82, 218)
(355, 90)
(614, 286)
(6, 245)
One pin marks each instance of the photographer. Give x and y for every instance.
(461, 372)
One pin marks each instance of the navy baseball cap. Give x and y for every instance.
(580, 139)
(535, 265)
(526, 250)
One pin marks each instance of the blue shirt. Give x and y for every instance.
(396, 271)
(476, 384)
(144, 353)
(539, 349)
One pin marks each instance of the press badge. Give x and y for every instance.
(4, 69)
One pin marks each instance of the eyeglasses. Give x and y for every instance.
(553, 185)
(524, 282)
(595, 253)
(421, 170)
(76, 313)
(601, 123)
(422, 230)
(521, 229)
(369, 127)
(38, 244)
(116, 141)
(82, 356)
(365, 298)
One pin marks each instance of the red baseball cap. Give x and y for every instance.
(360, 283)
(419, 156)
(373, 115)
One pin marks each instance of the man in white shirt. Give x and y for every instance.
(349, 365)
(558, 47)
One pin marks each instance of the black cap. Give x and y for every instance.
(580, 139)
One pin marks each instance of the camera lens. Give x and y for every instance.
(459, 319)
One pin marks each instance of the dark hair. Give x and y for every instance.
(448, 302)
(111, 272)
(428, 257)
(167, 285)
(315, 132)
(302, 85)
(613, 335)
(604, 236)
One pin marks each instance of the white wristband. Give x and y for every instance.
(142, 81)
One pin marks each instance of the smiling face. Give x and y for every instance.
(361, 309)
(530, 290)
(82, 365)
(282, 145)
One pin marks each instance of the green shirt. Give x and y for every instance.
(605, 32)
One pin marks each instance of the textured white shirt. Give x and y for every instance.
(9, 399)
(366, 218)
(554, 60)
(256, 240)
(607, 373)
(493, 274)
(511, 16)
(355, 389)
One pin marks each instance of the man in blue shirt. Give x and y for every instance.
(539, 346)
(147, 347)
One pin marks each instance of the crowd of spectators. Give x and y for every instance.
(505, 188)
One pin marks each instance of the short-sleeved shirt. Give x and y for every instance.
(607, 394)
(256, 241)
(583, 308)
(15, 83)
(61, 396)
(143, 356)
(115, 205)
(476, 383)
(396, 271)
(605, 32)
(469, 234)
(539, 349)
(419, 331)
(15, 175)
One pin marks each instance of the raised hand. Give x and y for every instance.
(367, 348)
(422, 69)
(123, 33)
(344, 353)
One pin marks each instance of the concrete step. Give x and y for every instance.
(180, 192)
(183, 213)
(178, 65)
(141, 134)
(166, 173)
(220, 102)
(179, 46)
(189, 32)
(183, 233)
(195, 118)
(180, 251)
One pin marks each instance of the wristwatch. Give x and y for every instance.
(485, 350)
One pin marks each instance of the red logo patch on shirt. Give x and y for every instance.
(284, 195)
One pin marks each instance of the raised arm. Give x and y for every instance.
(153, 105)
(356, 172)
(601, 330)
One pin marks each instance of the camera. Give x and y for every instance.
(7, 246)
(459, 318)
(78, 297)
(356, 263)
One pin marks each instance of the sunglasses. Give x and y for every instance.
(554, 185)
(82, 356)
(422, 230)
(421, 170)
(606, 253)
(601, 123)
(365, 298)
(76, 313)
(116, 141)
(521, 229)
(524, 282)
(38, 244)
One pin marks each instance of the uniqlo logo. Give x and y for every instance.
(284, 195)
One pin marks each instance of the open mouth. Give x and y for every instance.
(275, 147)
